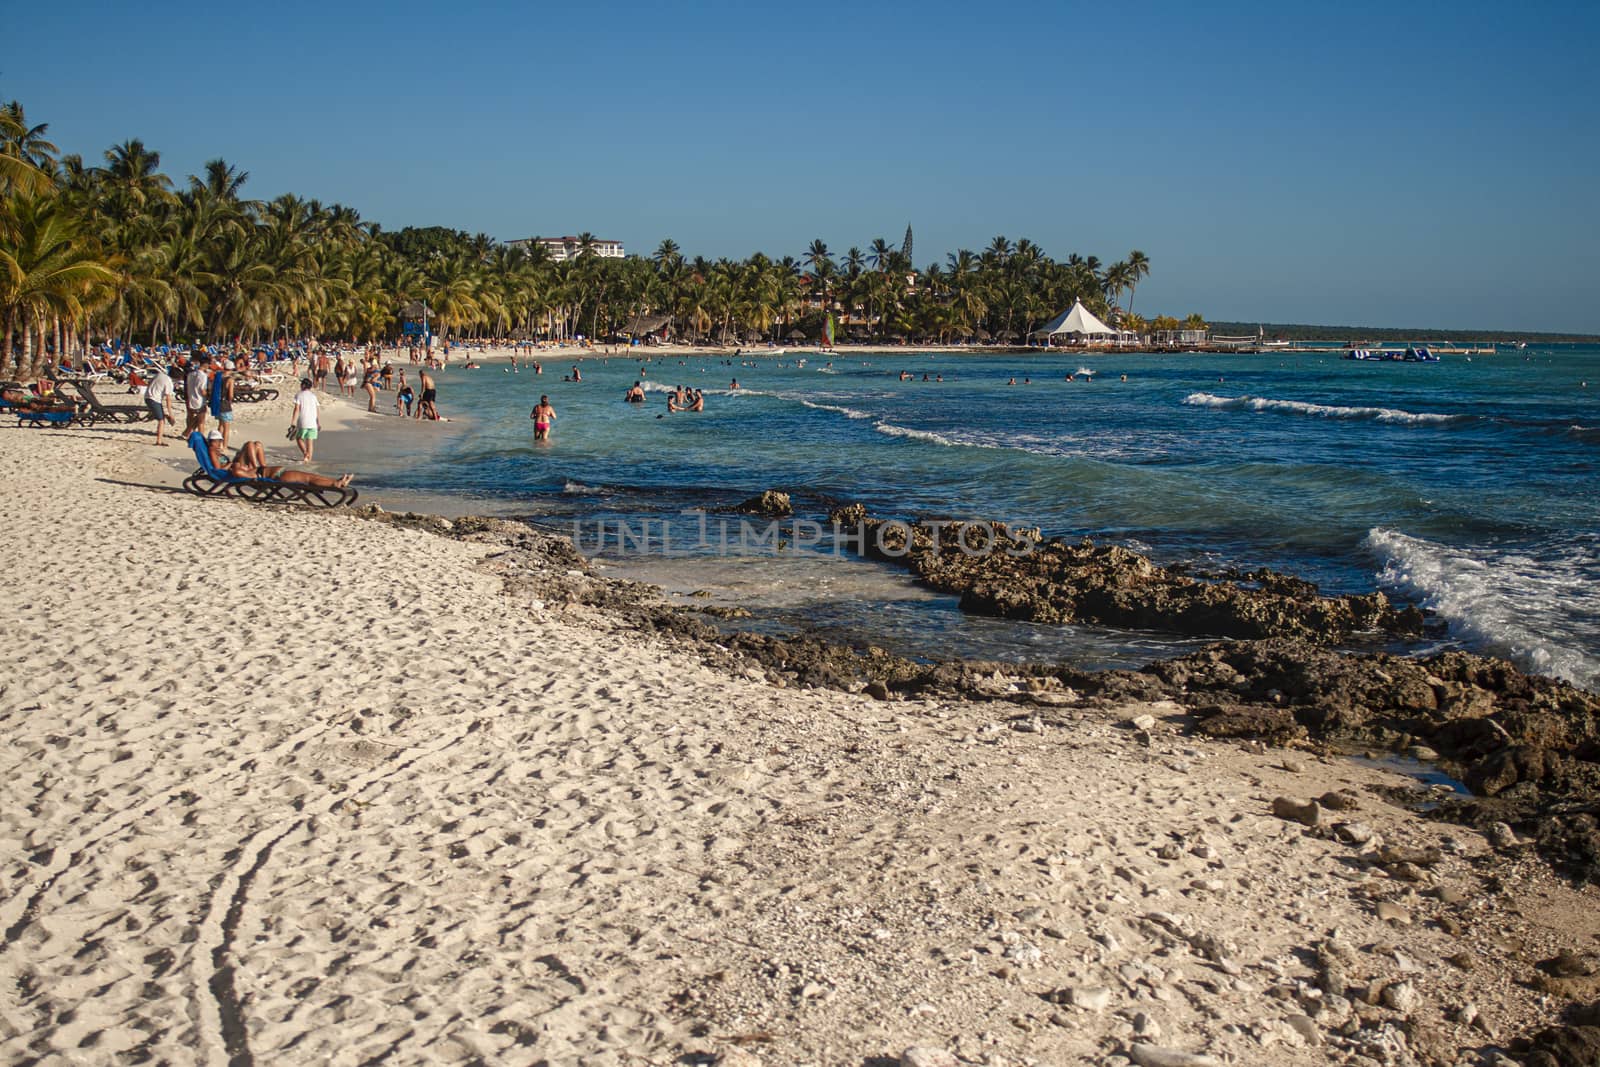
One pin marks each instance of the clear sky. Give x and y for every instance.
(1385, 164)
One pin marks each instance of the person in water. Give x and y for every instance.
(427, 402)
(542, 415)
(636, 394)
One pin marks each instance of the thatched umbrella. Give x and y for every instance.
(981, 335)
(797, 335)
(640, 325)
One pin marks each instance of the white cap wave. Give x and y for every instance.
(1539, 606)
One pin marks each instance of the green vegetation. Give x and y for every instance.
(121, 250)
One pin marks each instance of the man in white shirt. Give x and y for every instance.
(158, 400)
(195, 388)
(307, 419)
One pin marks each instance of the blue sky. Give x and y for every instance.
(1427, 165)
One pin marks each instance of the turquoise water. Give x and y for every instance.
(1467, 485)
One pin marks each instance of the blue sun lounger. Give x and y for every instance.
(58, 420)
(211, 480)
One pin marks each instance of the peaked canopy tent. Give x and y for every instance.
(1077, 320)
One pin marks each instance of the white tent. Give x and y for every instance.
(1078, 320)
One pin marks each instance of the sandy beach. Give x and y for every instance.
(289, 787)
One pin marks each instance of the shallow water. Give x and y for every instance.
(1467, 485)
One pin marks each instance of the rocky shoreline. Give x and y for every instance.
(1016, 574)
(1528, 747)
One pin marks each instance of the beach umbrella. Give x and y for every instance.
(797, 335)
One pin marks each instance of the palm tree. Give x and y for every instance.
(1116, 278)
(48, 272)
(667, 252)
(999, 250)
(878, 253)
(25, 142)
(1138, 270)
(133, 173)
(222, 181)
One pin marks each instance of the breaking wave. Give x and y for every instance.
(1537, 606)
(1322, 411)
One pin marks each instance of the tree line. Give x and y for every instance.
(119, 249)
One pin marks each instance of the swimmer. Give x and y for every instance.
(542, 415)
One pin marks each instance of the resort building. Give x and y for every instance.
(563, 248)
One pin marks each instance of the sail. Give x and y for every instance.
(827, 331)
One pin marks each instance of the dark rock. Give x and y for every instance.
(770, 504)
(1014, 574)
(1266, 722)
(1339, 801)
(1306, 812)
(1562, 1046)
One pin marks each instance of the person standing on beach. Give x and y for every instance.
(158, 401)
(220, 398)
(307, 420)
(542, 415)
(369, 383)
(427, 402)
(194, 394)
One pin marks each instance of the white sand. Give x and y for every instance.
(315, 790)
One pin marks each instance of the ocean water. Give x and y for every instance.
(1468, 486)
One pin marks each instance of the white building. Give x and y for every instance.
(563, 248)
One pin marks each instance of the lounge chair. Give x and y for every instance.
(211, 480)
(47, 419)
(98, 412)
(249, 394)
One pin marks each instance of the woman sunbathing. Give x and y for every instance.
(251, 462)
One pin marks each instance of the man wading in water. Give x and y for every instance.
(426, 408)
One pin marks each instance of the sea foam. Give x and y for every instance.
(1539, 607)
(837, 409)
(1322, 411)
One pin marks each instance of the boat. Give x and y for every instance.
(1393, 355)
